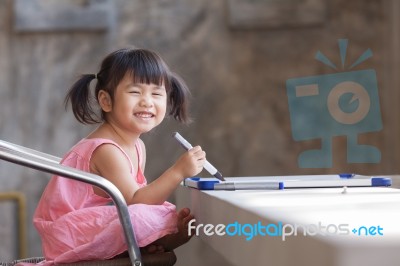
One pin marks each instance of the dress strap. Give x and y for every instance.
(139, 152)
(140, 178)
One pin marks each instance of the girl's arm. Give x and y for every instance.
(109, 162)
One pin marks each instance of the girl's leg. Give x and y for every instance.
(169, 242)
(172, 241)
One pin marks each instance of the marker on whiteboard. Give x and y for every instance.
(260, 185)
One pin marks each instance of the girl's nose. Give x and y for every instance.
(146, 101)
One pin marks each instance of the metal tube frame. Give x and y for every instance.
(18, 198)
(47, 163)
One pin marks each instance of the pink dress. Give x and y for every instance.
(75, 224)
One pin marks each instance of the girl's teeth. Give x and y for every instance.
(144, 115)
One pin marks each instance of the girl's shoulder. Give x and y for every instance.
(85, 147)
(80, 154)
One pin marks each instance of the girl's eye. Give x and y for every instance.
(158, 94)
(135, 92)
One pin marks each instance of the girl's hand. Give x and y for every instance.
(191, 162)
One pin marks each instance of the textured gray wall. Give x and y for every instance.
(237, 75)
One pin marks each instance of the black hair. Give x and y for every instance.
(145, 66)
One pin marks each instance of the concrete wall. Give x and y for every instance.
(236, 64)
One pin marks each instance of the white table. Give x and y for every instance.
(369, 207)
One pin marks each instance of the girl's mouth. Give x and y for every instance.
(144, 115)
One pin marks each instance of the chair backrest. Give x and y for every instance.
(50, 164)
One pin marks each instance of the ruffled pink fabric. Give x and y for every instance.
(75, 224)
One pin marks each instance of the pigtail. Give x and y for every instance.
(179, 99)
(79, 95)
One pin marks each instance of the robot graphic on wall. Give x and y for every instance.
(339, 104)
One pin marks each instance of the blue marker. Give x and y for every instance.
(258, 185)
(376, 181)
(346, 175)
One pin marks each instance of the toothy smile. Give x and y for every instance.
(144, 115)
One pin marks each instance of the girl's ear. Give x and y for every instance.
(105, 101)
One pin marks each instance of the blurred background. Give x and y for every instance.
(235, 55)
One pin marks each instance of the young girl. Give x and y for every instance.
(134, 90)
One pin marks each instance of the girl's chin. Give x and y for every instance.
(147, 128)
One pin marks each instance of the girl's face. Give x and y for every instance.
(138, 107)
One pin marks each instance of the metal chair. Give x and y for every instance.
(50, 164)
